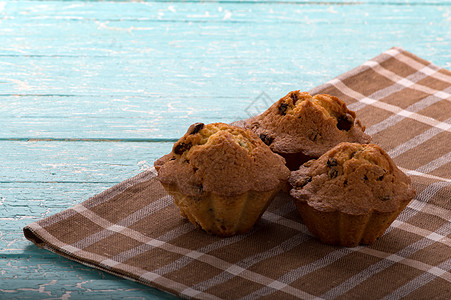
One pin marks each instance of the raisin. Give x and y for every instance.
(200, 188)
(332, 162)
(283, 109)
(266, 139)
(333, 173)
(294, 97)
(345, 122)
(195, 128)
(181, 147)
(381, 178)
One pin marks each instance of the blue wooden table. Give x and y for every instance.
(91, 93)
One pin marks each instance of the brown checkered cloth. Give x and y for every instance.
(135, 231)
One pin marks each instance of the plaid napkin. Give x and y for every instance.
(135, 231)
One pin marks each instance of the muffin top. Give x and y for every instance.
(221, 159)
(299, 122)
(352, 178)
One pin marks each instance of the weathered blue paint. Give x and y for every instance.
(91, 93)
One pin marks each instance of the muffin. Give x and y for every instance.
(301, 127)
(222, 177)
(351, 194)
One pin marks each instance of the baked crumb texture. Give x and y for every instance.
(351, 194)
(222, 177)
(301, 127)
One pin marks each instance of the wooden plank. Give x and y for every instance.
(29, 272)
(39, 179)
(145, 70)
(101, 286)
(112, 117)
(126, 74)
(77, 162)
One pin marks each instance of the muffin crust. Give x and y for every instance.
(222, 177)
(351, 194)
(221, 159)
(301, 127)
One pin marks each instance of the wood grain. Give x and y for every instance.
(91, 93)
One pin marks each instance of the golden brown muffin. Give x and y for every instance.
(301, 127)
(351, 194)
(222, 177)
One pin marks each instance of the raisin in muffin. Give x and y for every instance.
(301, 127)
(351, 194)
(222, 177)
